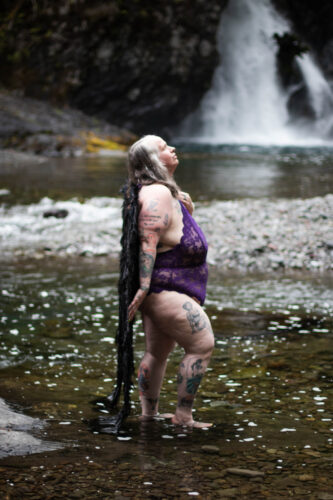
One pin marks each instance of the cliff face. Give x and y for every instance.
(139, 64)
(312, 21)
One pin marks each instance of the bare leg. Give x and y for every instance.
(181, 319)
(191, 371)
(152, 367)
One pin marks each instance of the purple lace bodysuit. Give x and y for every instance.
(183, 268)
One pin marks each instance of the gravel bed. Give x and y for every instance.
(264, 235)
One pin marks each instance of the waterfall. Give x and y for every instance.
(321, 97)
(246, 103)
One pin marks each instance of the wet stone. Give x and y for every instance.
(306, 477)
(245, 472)
(207, 448)
(325, 496)
(228, 493)
(212, 475)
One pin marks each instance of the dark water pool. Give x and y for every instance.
(268, 389)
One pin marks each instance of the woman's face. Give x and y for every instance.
(167, 155)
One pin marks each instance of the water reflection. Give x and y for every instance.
(222, 173)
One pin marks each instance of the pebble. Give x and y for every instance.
(265, 235)
(245, 472)
(306, 477)
(243, 235)
(228, 493)
(207, 448)
(325, 496)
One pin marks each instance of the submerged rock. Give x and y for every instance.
(245, 472)
(15, 438)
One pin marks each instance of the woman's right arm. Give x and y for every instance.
(154, 220)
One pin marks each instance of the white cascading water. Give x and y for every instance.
(321, 97)
(246, 104)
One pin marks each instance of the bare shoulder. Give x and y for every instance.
(155, 192)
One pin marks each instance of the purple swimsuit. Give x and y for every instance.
(183, 268)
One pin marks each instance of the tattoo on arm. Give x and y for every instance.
(196, 320)
(152, 205)
(146, 266)
(166, 219)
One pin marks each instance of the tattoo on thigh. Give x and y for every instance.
(143, 378)
(195, 318)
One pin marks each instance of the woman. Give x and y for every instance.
(173, 277)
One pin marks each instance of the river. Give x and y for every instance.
(267, 389)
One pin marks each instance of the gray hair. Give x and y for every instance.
(145, 166)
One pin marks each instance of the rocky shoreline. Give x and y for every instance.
(266, 236)
(244, 235)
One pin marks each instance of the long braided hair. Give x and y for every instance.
(127, 286)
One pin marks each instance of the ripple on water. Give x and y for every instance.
(268, 395)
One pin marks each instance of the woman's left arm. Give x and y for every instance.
(154, 219)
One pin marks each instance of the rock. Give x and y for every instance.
(313, 26)
(148, 57)
(245, 472)
(325, 496)
(306, 477)
(228, 493)
(57, 213)
(36, 128)
(15, 437)
(210, 448)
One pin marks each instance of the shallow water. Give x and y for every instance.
(267, 389)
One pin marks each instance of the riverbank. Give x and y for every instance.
(36, 128)
(264, 235)
(243, 235)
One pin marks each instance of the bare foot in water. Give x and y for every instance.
(190, 423)
(147, 418)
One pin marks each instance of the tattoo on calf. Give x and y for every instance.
(143, 378)
(186, 402)
(197, 366)
(195, 318)
(153, 402)
(193, 383)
